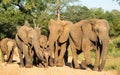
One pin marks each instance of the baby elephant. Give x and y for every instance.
(7, 46)
(43, 42)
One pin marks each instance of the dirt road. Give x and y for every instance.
(13, 69)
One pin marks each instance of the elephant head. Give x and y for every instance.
(59, 31)
(101, 28)
(97, 30)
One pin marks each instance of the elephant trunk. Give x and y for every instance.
(51, 46)
(52, 39)
(104, 52)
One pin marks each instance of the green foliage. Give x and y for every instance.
(14, 12)
(117, 1)
(77, 13)
(114, 47)
(113, 64)
(113, 55)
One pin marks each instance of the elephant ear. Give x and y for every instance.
(94, 22)
(88, 31)
(65, 34)
(22, 33)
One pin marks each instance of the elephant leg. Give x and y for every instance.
(56, 54)
(51, 61)
(75, 57)
(10, 57)
(97, 59)
(87, 60)
(3, 60)
(86, 46)
(66, 57)
(46, 64)
(62, 52)
(51, 58)
(28, 60)
(21, 58)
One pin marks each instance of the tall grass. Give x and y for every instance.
(113, 60)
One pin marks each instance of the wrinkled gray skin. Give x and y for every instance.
(43, 42)
(7, 46)
(58, 38)
(44, 45)
(26, 39)
(87, 35)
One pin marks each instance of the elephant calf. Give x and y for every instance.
(7, 46)
(43, 42)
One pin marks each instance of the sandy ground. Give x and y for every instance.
(13, 69)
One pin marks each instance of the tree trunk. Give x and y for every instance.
(58, 9)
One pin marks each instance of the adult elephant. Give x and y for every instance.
(7, 46)
(27, 39)
(94, 34)
(58, 40)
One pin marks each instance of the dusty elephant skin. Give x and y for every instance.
(58, 40)
(44, 47)
(27, 38)
(94, 34)
(7, 46)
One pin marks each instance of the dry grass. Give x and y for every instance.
(112, 62)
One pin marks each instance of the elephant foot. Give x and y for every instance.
(28, 66)
(51, 62)
(59, 65)
(21, 66)
(83, 65)
(76, 66)
(45, 65)
(95, 69)
(40, 66)
(9, 62)
(100, 69)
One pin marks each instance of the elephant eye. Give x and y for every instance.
(58, 31)
(41, 46)
(47, 46)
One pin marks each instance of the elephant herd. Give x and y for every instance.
(40, 50)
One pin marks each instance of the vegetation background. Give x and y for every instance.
(13, 13)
